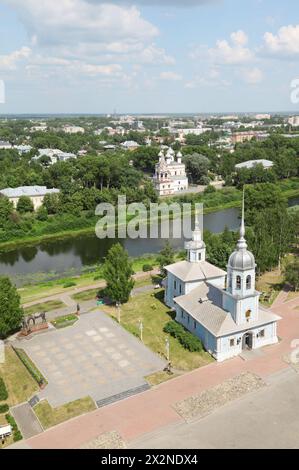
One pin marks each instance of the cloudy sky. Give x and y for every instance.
(94, 56)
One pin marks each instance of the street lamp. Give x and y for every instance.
(167, 347)
(118, 305)
(141, 329)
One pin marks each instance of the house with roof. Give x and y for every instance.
(250, 164)
(35, 193)
(221, 308)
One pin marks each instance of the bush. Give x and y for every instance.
(147, 267)
(17, 436)
(186, 339)
(69, 284)
(4, 408)
(30, 366)
(210, 189)
(3, 390)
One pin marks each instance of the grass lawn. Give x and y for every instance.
(64, 321)
(44, 307)
(293, 295)
(271, 283)
(19, 383)
(86, 295)
(49, 416)
(149, 308)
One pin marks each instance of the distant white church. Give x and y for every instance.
(221, 308)
(170, 173)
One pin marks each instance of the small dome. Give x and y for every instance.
(241, 259)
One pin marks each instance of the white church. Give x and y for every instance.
(221, 308)
(170, 173)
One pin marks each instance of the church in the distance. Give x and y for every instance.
(170, 173)
(221, 308)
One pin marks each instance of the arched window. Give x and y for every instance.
(238, 282)
(248, 315)
(248, 282)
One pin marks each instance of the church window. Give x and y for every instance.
(199, 256)
(180, 288)
(174, 284)
(248, 315)
(194, 325)
(248, 282)
(238, 282)
(232, 342)
(188, 319)
(262, 333)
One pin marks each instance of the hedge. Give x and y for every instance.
(17, 435)
(186, 339)
(30, 366)
(3, 390)
(4, 408)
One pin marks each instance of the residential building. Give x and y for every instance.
(252, 163)
(35, 193)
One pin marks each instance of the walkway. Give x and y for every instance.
(27, 421)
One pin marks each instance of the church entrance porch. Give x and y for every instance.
(247, 341)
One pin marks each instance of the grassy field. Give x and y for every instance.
(38, 291)
(49, 416)
(150, 309)
(44, 307)
(89, 294)
(19, 383)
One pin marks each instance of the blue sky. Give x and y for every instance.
(148, 56)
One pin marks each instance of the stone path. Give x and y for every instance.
(212, 398)
(95, 357)
(26, 420)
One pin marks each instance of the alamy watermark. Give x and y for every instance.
(294, 356)
(2, 352)
(136, 220)
(2, 92)
(295, 91)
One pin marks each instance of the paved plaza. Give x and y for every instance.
(94, 357)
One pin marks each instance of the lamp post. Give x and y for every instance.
(118, 305)
(141, 329)
(167, 347)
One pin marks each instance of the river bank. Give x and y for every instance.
(210, 205)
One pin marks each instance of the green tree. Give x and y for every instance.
(118, 273)
(25, 205)
(165, 257)
(291, 274)
(11, 312)
(6, 209)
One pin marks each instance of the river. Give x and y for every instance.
(71, 256)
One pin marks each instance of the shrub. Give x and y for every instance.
(186, 339)
(30, 366)
(147, 267)
(4, 408)
(17, 436)
(69, 284)
(3, 390)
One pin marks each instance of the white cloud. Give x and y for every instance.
(239, 38)
(10, 61)
(170, 76)
(252, 76)
(285, 42)
(234, 53)
(70, 21)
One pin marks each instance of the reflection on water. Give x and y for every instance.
(61, 256)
